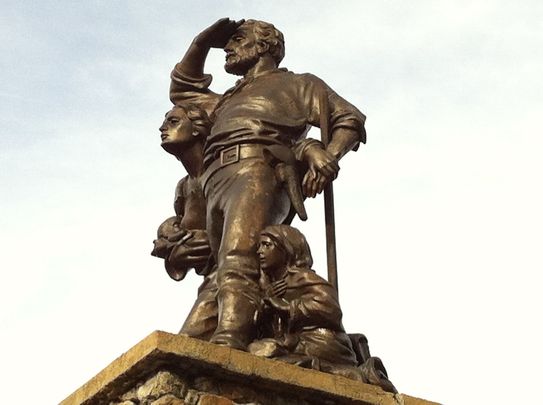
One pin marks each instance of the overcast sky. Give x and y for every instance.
(439, 216)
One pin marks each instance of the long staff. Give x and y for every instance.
(329, 219)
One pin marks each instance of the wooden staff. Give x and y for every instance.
(329, 219)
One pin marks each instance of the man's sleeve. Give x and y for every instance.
(192, 90)
(342, 114)
(302, 145)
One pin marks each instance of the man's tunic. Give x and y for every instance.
(276, 106)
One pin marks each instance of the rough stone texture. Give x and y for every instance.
(210, 399)
(130, 396)
(160, 384)
(192, 397)
(167, 369)
(168, 400)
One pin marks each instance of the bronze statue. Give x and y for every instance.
(249, 167)
(257, 135)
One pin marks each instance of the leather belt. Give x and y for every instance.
(231, 155)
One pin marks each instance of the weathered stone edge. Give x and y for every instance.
(234, 363)
(114, 370)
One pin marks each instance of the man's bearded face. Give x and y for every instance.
(241, 52)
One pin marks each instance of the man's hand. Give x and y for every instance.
(192, 251)
(323, 169)
(218, 34)
(177, 236)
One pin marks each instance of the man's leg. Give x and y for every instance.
(252, 200)
(202, 319)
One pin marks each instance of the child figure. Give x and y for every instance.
(301, 317)
(181, 249)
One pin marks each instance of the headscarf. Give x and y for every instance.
(293, 243)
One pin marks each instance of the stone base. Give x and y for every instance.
(167, 369)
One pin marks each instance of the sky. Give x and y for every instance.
(438, 217)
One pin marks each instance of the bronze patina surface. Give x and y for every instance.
(250, 166)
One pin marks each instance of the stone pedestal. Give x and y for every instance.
(167, 369)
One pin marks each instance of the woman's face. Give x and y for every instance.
(176, 131)
(271, 257)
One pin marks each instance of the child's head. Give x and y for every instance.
(166, 229)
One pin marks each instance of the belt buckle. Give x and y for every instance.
(230, 155)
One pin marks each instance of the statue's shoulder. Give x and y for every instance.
(306, 81)
(298, 76)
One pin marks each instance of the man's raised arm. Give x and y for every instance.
(189, 83)
(214, 36)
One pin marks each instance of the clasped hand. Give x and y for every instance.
(323, 168)
(274, 296)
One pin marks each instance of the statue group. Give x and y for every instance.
(250, 166)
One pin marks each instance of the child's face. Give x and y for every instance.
(161, 244)
(272, 258)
